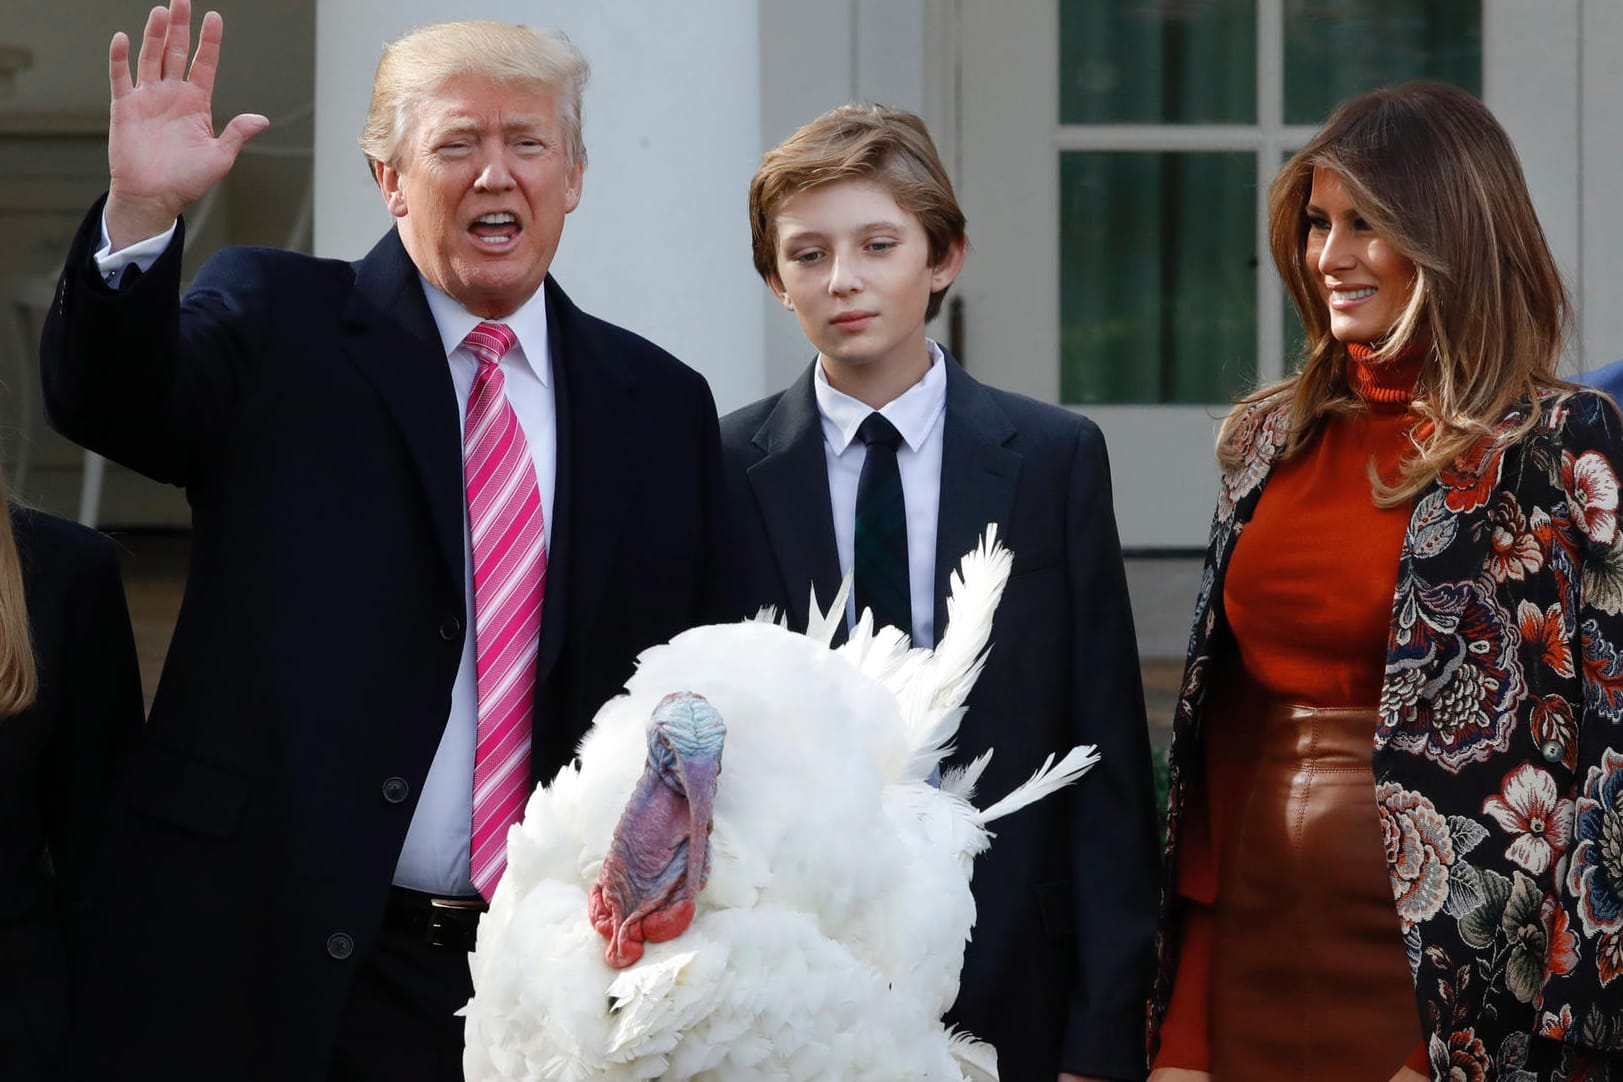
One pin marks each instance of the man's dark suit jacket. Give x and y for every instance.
(58, 762)
(307, 407)
(1058, 969)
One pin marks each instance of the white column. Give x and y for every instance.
(1531, 74)
(1597, 292)
(672, 117)
(814, 57)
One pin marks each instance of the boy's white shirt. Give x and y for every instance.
(918, 414)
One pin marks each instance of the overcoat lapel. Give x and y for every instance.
(979, 477)
(391, 337)
(790, 486)
(597, 468)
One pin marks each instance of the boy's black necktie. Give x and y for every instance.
(879, 553)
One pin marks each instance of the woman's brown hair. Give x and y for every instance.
(1434, 174)
(19, 680)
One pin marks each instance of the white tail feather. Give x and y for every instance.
(972, 599)
(930, 687)
(976, 1059)
(960, 780)
(820, 625)
(1049, 778)
(880, 653)
(932, 703)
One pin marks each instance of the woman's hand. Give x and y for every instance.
(1179, 1074)
(1405, 1074)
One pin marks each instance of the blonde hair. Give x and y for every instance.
(19, 677)
(870, 142)
(415, 66)
(1436, 177)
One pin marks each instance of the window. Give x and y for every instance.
(1174, 116)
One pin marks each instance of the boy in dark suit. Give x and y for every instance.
(885, 458)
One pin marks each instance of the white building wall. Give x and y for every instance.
(1600, 157)
(815, 56)
(1532, 79)
(685, 98)
(672, 116)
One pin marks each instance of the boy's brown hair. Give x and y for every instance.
(891, 147)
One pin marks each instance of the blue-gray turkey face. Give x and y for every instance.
(664, 762)
(659, 857)
(685, 739)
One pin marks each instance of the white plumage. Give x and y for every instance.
(829, 936)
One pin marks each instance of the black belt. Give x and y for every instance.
(452, 923)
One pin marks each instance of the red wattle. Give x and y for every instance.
(668, 923)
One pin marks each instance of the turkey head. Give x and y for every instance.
(660, 854)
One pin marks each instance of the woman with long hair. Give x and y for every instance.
(70, 710)
(1395, 841)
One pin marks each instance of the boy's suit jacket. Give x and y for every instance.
(1058, 968)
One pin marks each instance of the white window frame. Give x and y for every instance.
(1269, 140)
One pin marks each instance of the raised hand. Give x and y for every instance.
(162, 152)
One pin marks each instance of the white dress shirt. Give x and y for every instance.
(917, 414)
(141, 254)
(435, 858)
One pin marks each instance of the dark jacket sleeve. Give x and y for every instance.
(1114, 853)
(133, 374)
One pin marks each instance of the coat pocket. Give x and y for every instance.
(176, 789)
(1039, 560)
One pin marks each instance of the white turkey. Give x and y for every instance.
(749, 872)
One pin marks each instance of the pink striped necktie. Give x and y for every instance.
(509, 579)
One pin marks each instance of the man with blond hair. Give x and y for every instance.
(437, 512)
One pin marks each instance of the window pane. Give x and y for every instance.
(1337, 48)
(1158, 280)
(1157, 61)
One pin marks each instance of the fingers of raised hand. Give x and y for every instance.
(207, 61)
(178, 42)
(167, 40)
(149, 64)
(241, 129)
(118, 64)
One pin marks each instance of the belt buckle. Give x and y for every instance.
(444, 927)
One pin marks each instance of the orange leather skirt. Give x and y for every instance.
(1309, 976)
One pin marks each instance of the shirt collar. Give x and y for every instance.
(528, 324)
(914, 412)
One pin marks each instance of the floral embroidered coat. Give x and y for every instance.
(1499, 774)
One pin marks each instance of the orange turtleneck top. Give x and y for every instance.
(1308, 595)
(1309, 587)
